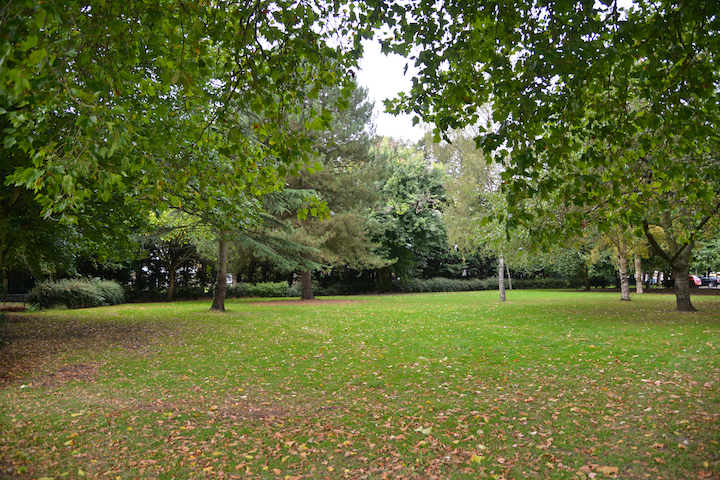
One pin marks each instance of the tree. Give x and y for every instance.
(473, 196)
(345, 183)
(597, 106)
(168, 104)
(409, 221)
(171, 234)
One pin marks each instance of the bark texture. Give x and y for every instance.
(501, 280)
(678, 257)
(221, 288)
(638, 275)
(622, 269)
(306, 285)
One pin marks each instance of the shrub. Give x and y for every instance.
(268, 289)
(113, 293)
(189, 293)
(238, 290)
(74, 293)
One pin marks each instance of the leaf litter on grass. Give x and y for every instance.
(365, 396)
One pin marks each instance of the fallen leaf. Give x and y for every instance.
(608, 470)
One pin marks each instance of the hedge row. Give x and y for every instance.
(76, 293)
(451, 285)
(265, 289)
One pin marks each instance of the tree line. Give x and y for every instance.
(576, 120)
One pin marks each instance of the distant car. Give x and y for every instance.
(695, 281)
(710, 281)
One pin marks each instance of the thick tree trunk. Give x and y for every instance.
(622, 269)
(306, 285)
(219, 300)
(678, 257)
(681, 274)
(638, 275)
(501, 280)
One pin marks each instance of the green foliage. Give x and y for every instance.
(190, 293)
(408, 223)
(415, 285)
(262, 289)
(74, 293)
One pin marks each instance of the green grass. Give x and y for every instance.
(545, 385)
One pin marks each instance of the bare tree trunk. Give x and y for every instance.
(221, 288)
(507, 269)
(171, 282)
(306, 285)
(638, 275)
(501, 280)
(678, 257)
(681, 274)
(622, 269)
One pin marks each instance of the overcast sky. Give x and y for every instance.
(383, 76)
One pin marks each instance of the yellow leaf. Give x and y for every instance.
(476, 459)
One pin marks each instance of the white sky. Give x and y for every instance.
(383, 76)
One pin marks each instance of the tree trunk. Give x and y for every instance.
(171, 282)
(501, 280)
(681, 274)
(622, 269)
(638, 275)
(678, 257)
(306, 285)
(219, 300)
(507, 269)
(586, 277)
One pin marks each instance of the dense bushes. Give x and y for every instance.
(76, 293)
(266, 289)
(415, 285)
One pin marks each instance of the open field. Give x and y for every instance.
(545, 385)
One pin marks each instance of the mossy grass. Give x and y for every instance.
(455, 385)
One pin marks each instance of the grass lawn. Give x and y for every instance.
(545, 385)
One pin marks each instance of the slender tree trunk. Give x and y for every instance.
(306, 285)
(507, 269)
(171, 282)
(501, 280)
(622, 268)
(221, 288)
(638, 275)
(586, 277)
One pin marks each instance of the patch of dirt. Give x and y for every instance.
(12, 307)
(29, 346)
(68, 373)
(333, 301)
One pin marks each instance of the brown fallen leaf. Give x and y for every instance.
(608, 470)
